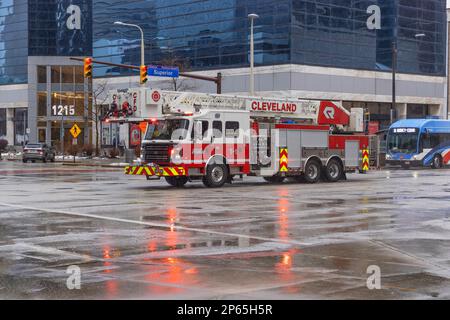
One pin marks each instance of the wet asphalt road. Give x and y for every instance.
(134, 239)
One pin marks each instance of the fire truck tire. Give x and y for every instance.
(275, 179)
(216, 175)
(313, 171)
(177, 182)
(334, 171)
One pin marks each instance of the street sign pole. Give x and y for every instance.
(75, 131)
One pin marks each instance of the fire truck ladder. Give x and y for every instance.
(190, 102)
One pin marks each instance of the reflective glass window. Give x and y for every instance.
(20, 126)
(42, 74)
(2, 123)
(13, 42)
(67, 74)
(42, 104)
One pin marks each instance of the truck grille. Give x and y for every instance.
(156, 153)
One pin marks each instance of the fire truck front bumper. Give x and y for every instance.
(153, 171)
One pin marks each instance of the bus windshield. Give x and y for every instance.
(403, 142)
(173, 129)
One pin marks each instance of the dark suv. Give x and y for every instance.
(38, 151)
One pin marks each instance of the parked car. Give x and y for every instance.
(38, 151)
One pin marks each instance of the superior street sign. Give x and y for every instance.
(161, 71)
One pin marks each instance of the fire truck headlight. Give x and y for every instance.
(177, 154)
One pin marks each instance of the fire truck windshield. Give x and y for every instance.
(172, 129)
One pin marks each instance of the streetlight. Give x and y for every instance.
(394, 75)
(252, 18)
(120, 23)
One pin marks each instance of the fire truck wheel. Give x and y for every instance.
(177, 182)
(312, 171)
(334, 171)
(275, 179)
(216, 175)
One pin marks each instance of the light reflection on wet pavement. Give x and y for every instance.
(138, 239)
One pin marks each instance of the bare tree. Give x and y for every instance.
(177, 84)
(99, 98)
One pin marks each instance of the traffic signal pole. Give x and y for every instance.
(217, 80)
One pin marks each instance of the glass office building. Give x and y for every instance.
(13, 41)
(313, 49)
(214, 34)
(357, 35)
(35, 35)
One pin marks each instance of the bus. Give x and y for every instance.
(419, 143)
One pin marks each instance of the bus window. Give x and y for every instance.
(426, 141)
(435, 140)
(403, 142)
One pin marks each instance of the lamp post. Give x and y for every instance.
(120, 23)
(394, 75)
(252, 18)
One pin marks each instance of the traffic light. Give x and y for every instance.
(88, 68)
(144, 75)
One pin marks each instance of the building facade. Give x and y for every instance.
(317, 49)
(43, 92)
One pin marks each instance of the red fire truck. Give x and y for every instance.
(219, 138)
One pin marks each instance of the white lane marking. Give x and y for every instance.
(21, 247)
(155, 225)
(32, 257)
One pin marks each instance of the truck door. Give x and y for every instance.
(352, 153)
(264, 145)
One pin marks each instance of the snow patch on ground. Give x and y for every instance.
(441, 224)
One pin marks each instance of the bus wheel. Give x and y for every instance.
(275, 179)
(312, 171)
(334, 171)
(437, 162)
(177, 182)
(216, 176)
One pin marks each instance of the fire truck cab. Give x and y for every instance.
(217, 138)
